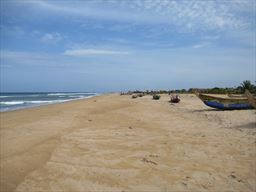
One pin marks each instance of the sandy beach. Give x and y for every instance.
(115, 143)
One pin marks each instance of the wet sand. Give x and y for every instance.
(115, 143)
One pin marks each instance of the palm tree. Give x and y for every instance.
(246, 85)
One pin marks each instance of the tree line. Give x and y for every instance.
(216, 90)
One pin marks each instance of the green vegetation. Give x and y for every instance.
(247, 85)
(156, 97)
(215, 90)
(236, 90)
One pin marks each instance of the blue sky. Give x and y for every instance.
(117, 45)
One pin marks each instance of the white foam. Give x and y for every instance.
(56, 94)
(61, 94)
(10, 105)
(51, 101)
(30, 102)
(12, 102)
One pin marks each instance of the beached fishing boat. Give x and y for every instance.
(175, 99)
(236, 95)
(251, 98)
(241, 95)
(225, 103)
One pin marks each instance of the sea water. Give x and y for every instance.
(14, 101)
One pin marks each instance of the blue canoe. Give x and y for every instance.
(225, 103)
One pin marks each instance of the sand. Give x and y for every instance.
(115, 143)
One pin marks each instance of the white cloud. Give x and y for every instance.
(186, 15)
(201, 45)
(51, 38)
(86, 52)
(69, 58)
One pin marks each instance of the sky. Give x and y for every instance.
(120, 45)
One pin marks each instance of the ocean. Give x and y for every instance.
(14, 101)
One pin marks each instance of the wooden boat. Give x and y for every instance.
(225, 103)
(236, 95)
(251, 98)
(175, 99)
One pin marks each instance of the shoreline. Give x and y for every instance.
(53, 103)
(114, 143)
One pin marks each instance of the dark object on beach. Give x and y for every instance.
(175, 99)
(140, 95)
(225, 103)
(134, 96)
(145, 160)
(156, 97)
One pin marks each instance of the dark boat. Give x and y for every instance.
(175, 99)
(225, 103)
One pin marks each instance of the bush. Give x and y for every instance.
(156, 97)
(134, 96)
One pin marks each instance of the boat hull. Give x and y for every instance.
(225, 103)
(234, 106)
